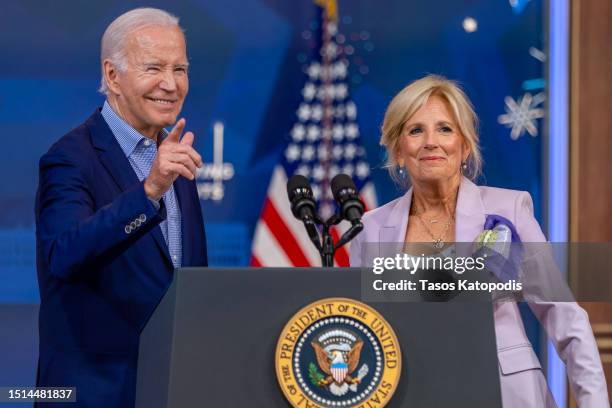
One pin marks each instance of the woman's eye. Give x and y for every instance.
(445, 129)
(415, 131)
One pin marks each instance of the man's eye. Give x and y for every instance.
(152, 69)
(181, 70)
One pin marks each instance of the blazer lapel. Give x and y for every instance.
(393, 232)
(114, 161)
(110, 154)
(470, 214)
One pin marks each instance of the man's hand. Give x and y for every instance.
(174, 158)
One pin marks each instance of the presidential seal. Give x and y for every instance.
(338, 352)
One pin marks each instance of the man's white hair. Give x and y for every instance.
(113, 40)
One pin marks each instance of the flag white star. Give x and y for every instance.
(316, 114)
(338, 132)
(363, 170)
(318, 173)
(309, 91)
(351, 131)
(308, 153)
(349, 151)
(339, 111)
(292, 153)
(313, 70)
(303, 112)
(351, 111)
(348, 169)
(313, 133)
(330, 50)
(340, 70)
(333, 171)
(325, 91)
(316, 191)
(341, 91)
(303, 170)
(337, 152)
(298, 132)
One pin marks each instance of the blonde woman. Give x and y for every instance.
(430, 133)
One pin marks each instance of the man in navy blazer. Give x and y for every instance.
(117, 210)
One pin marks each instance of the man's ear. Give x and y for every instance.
(110, 76)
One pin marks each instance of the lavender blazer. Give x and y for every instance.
(567, 324)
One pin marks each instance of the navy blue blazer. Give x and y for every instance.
(101, 273)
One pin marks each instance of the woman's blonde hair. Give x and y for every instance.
(410, 100)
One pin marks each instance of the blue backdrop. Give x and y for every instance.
(247, 59)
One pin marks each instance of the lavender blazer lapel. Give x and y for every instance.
(470, 213)
(392, 233)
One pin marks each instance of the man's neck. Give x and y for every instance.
(148, 132)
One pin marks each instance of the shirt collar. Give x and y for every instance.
(127, 137)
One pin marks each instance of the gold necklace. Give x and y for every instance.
(438, 243)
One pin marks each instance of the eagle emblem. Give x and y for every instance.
(338, 353)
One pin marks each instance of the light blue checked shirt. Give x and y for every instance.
(140, 152)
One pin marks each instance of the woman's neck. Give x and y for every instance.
(437, 197)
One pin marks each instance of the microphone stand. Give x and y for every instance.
(328, 249)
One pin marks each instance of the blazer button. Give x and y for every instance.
(128, 229)
(137, 222)
(142, 218)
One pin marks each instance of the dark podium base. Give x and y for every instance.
(211, 341)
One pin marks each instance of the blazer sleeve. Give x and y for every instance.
(355, 251)
(73, 234)
(566, 323)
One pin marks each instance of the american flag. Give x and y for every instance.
(323, 142)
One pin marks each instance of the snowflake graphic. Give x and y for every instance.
(521, 115)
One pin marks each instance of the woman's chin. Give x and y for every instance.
(433, 175)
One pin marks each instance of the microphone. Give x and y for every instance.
(345, 193)
(303, 206)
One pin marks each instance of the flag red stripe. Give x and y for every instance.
(365, 204)
(255, 261)
(341, 256)
(285, 238)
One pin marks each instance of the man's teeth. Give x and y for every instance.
(162, 101)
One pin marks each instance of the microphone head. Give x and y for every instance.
(342, 185)
(298, 184)
(345, 193)
(300, 195)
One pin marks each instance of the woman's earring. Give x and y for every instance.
(463, 166)
(401, 171)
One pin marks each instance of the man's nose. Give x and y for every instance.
(168, 82)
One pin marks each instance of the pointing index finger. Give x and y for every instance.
(175, 133)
